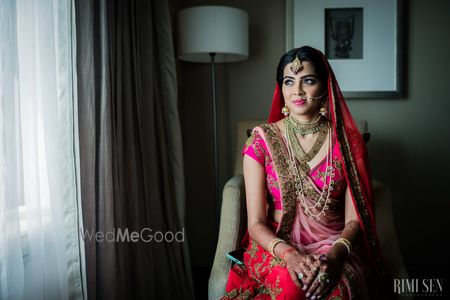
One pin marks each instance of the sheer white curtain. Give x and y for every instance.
(41, 254)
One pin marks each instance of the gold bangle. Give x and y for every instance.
(272, 245)
(345, 242)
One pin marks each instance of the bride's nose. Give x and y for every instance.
(298, 89)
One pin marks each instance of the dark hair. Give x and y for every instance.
(303, 53)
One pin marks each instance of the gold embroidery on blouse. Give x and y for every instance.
(272, 183)
(337, 185)
(250, 139)
(319, 174)
(255, 141)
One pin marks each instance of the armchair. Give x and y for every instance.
(233, 221)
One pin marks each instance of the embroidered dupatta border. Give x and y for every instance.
(285, 181)
(354, 183)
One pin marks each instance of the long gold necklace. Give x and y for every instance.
(321, 203)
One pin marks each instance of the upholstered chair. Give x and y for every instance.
(233, 222)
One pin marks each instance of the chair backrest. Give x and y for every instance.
(241, 136)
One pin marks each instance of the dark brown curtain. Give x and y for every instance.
(130, 149)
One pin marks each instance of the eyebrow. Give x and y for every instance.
(304, 76)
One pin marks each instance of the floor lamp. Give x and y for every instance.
(213, 34)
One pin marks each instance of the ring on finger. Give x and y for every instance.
(300, 276)
(323, 277)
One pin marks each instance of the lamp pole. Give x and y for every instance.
(213, 34)
(216, 146)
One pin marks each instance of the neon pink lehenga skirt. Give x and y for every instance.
(266, 277)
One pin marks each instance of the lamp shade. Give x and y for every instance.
(212, 29)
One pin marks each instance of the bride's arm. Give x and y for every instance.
(352, 229)
(255, 178)
(255, 190)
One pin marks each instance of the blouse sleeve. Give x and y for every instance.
(255, 147)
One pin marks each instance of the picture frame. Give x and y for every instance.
(362, 39)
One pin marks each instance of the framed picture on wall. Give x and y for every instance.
(362, 39)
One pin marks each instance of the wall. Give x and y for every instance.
(244, 90)
(411, 140)
(409, 146)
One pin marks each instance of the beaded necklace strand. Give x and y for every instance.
(322, 202)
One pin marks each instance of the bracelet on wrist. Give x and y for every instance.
(344, 242)
(286, 252)
(272, 245)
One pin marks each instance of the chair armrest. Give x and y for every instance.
(233, 224)
(386, 231)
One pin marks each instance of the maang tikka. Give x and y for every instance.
(296, 66)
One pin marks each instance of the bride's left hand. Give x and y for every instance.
(331, 267)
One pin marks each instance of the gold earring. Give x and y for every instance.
(285, 111)
(323, 111)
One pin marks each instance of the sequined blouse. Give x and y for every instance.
(256, 148)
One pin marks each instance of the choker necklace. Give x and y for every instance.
(306, 128)
(302, 156)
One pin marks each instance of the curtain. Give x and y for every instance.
(41, 254)
(132, 175)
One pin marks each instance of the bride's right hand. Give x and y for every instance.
(303, 268)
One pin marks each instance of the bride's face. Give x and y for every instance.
(297, 88)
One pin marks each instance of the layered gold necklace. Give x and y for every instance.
(298, 162)
(295, 127)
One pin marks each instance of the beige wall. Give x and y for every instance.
(410, 141)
